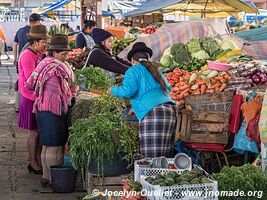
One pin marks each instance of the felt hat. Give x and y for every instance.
(100, 35)
(137, 47)
(59, 42)
(39, 32)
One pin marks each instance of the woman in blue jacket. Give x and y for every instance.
(148, 91)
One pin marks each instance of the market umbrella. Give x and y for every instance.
(201, 8)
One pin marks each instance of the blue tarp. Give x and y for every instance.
(106, 13)
(56, 5)
(257, 34)
(149, 6)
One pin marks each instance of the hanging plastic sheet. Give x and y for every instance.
(242, 143)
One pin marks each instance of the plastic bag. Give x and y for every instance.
(253, 132)
(242, 143)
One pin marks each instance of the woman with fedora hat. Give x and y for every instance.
(28, 61)
(101, 55)
(52, 81)
(149, 93)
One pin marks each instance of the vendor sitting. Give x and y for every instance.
(101, 55)
(148, 90)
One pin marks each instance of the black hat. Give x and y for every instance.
(59, 42)
(100, 35)
(139, 46)
(35, 17)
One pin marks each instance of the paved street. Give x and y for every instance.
(15, 181)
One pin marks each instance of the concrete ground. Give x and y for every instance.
(15, 181)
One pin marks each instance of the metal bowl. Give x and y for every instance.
(182, 161)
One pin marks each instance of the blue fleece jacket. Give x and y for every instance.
(144, 91)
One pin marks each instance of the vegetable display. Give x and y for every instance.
(195, 176)
(185, 83)
(93, 78)
(245, 178)
(92, 137)
(247, 75)
(120, 45)
(77, 57)
(194, 54)
(149, 30)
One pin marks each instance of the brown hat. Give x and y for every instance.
(39, 32)
(59, 42)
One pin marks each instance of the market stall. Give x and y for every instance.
(215, 77)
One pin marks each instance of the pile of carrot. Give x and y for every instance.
(182, 87)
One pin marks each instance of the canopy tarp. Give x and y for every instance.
(256, 34)
(55, 6)
(201, 7)
(122, 6)
(170, 34)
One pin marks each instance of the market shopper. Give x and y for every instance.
(52, 81)
(4, 39)
(84, 38)
(28, 61)
(20, 40)
(149, 93)
(101, 55)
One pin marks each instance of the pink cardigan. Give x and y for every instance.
(27, 63)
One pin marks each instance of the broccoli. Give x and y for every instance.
(180, 54)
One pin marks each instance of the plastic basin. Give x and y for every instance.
(222, 67)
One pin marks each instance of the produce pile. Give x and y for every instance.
(120, 45)
(185, 83)
(130, 185)
(194, 54)
(246, 75)
(149, 30)
(100, 132)
(195, 176)
(93, 78)
(77, 57)
(245, 178)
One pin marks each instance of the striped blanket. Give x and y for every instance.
(170, 34)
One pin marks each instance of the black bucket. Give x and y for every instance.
(63, 178)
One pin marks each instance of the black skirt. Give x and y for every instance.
(53, 128)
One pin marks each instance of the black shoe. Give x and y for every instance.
(39, 171)
(45, 183)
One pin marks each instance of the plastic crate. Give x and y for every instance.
(179, 192)
(143, 171)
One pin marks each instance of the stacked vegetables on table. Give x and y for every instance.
(194, 54)
(185, 83)
(149, 29)
(120, 45)
(246, 75)
(195, 176)
(77, 57)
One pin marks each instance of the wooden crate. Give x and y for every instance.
(113, 183)
(203, 126)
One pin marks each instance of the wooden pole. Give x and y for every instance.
(99, 13)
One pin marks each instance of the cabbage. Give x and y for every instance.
(193, 45)
(201, 55)
(167, 51)
(165, 60)
(229, 44)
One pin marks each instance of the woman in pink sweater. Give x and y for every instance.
(52, 81)
(28, 61)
